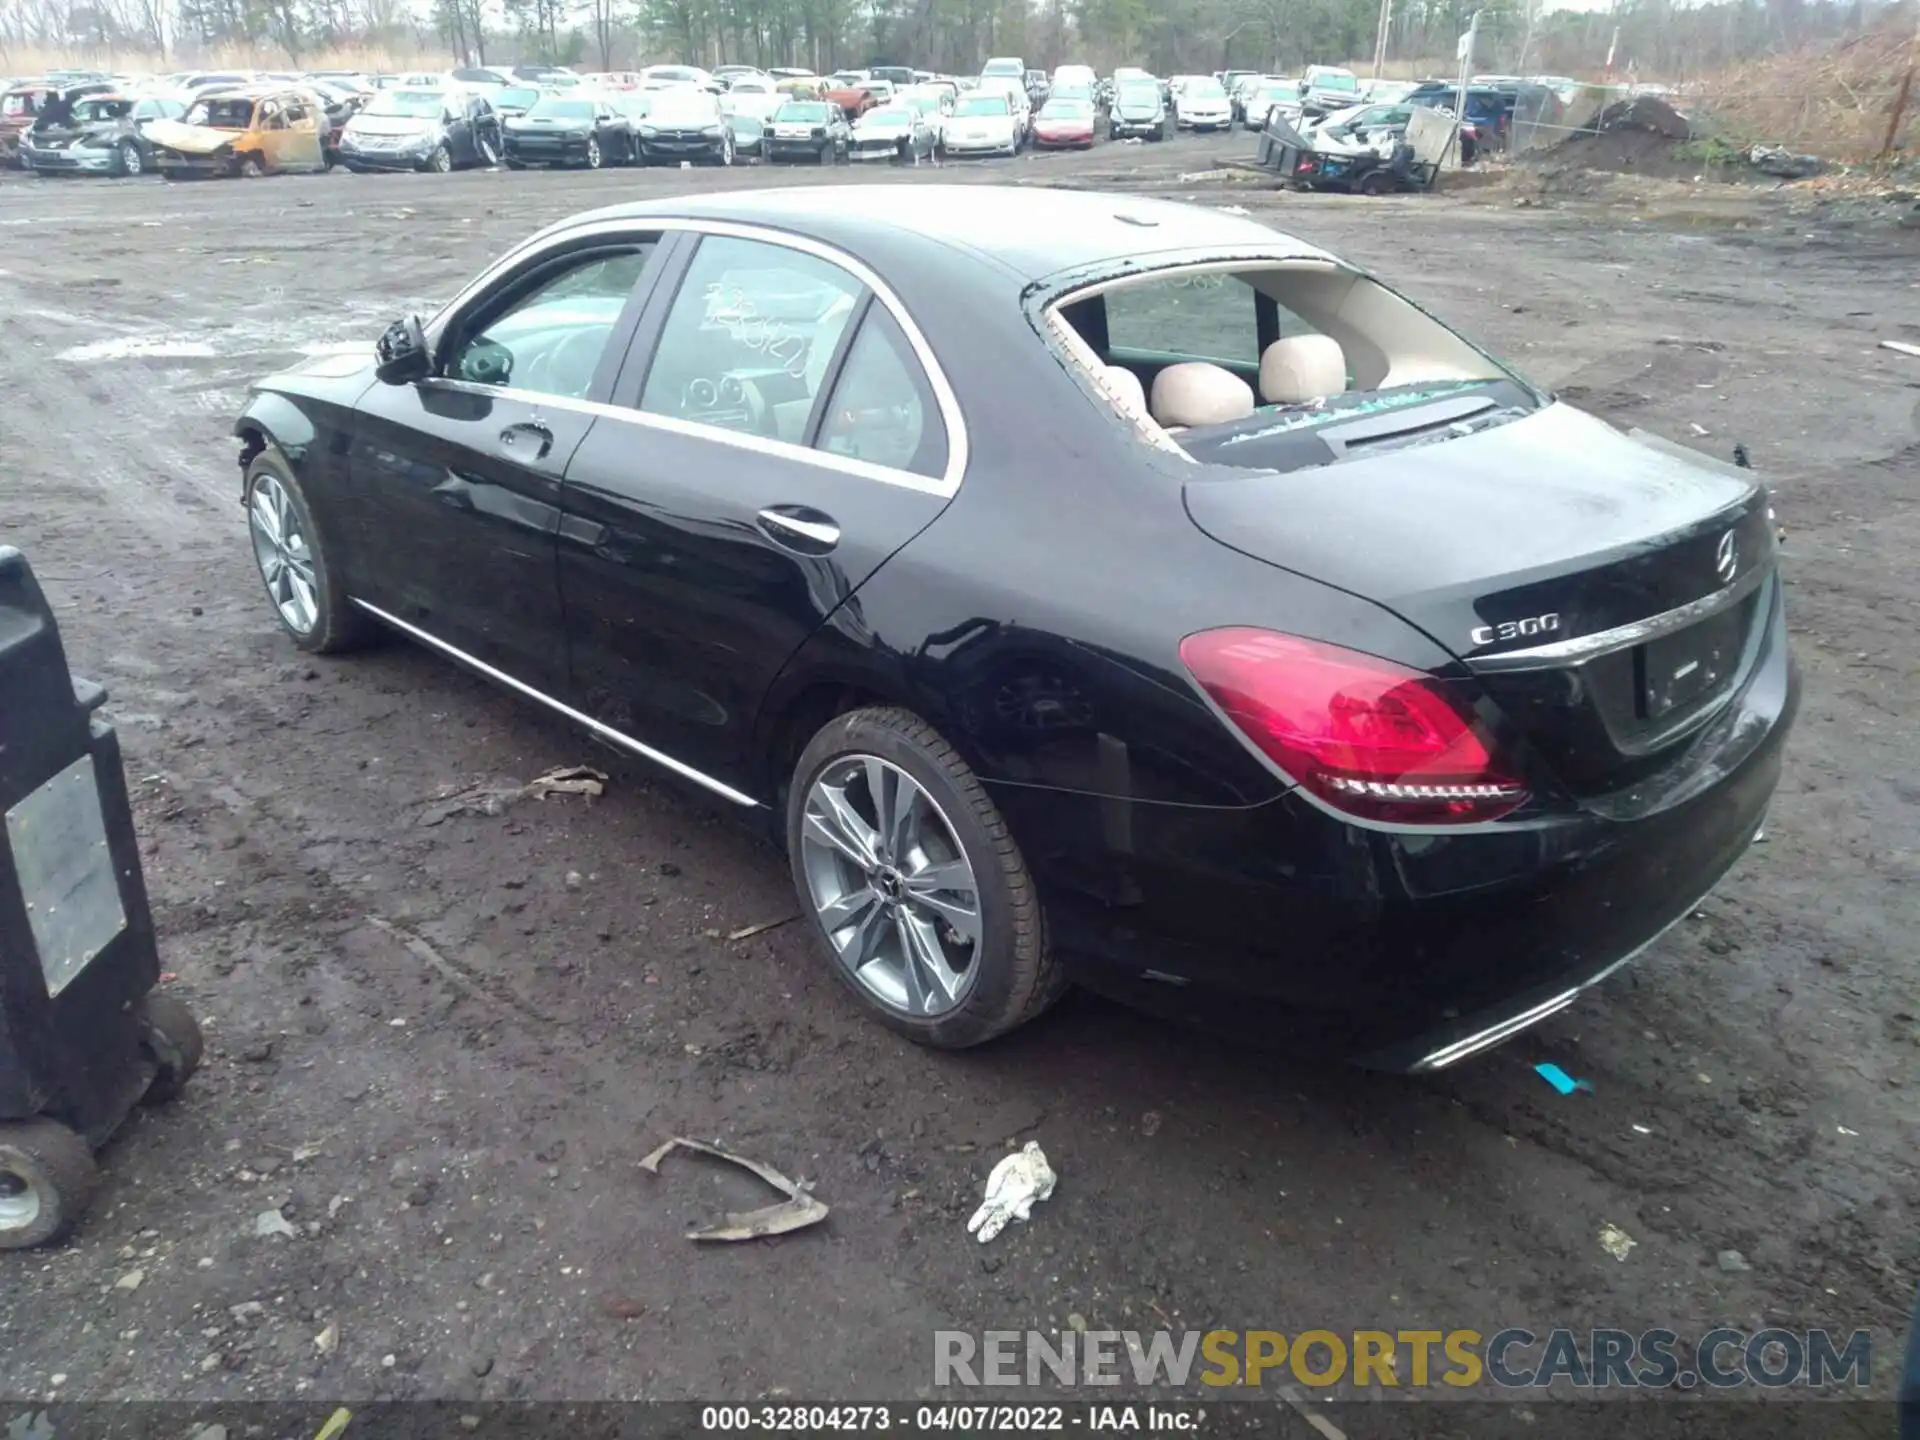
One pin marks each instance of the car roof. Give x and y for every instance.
(1033, 232)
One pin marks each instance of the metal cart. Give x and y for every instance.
(84, 1036)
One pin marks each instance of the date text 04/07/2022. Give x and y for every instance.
(947, 1419)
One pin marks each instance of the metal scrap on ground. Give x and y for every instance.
(796, 1212)
(495, 799)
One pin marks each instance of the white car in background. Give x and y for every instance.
(667, 77)
(1202, 104)
(1017, 99)
(752, 95)
(983, 122)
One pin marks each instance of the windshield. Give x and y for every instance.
(92, 112)
(1335, 82)
(1015, 68)
(1359, 353)
(1139, 92)
(553, 108)
(1066, 110)
(888, 119)
(1205, 90)
(801, 113)
(974, 105)
(751, 87)
(417, 104)
(516, 96)
(219, 114)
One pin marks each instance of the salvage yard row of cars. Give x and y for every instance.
(240, 123)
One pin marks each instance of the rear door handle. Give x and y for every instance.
(800, 527)
(527, 430)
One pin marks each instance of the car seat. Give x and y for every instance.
(1197, 393)
(1302, 368)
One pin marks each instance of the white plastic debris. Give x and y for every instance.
(1015, 1185)
(1616, 1242)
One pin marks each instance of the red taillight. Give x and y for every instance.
(1368, 736)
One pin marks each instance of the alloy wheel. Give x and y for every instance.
(130, 161)
(280, 550)
(891, 886)
(593, 154)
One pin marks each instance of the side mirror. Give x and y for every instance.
(401, 357)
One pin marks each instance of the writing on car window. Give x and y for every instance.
(751, 335)
(550, 340)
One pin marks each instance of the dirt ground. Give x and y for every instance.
(439, 1049)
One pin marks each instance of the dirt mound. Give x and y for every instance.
(1635, 151)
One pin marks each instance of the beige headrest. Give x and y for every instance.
(1196, 393)
(1126, 388)
(1302, 368)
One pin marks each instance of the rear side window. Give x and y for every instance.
(882, 408)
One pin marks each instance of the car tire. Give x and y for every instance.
(50, 1179)
(127, 159)
(516, 164)
(1378, 182)
(726, 151)
(319, 618)
(441, 161)
(1006, 973)
(251, 168)
(594, 156)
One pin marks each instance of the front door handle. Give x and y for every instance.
(527, 430)
(800, 527)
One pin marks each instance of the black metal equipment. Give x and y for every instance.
(84, 1036)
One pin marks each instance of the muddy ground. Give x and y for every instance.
(441, 1060)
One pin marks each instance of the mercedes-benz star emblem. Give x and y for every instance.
(1726, 558)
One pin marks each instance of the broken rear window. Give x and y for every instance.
(1280, 364)
(219, 114)
(22, 102)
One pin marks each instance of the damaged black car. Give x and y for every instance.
(1162, 603)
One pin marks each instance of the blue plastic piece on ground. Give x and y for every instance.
(1559, 1079)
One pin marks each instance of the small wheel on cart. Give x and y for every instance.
(172, 1041)
(47, 1180)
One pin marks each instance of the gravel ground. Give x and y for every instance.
(438, 1049)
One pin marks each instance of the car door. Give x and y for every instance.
(483, 130)
(785, 438)
(454, 480)
(300, 141)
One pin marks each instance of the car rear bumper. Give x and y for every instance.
(1406, 950)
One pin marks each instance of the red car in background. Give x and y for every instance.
(1064, 124)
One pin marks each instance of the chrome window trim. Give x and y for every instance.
(1605, 642)
(945, 399)
(624, 741)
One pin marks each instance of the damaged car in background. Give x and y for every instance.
(810, 130)
(417, 129)
(22, 102)
(896, 132)
(244, 131)
(687, 124)
(583, 131)
(95, 135)
(1163, 603)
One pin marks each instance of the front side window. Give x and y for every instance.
(222, 114)
(548, 337)
(882, 409)
(750, 338)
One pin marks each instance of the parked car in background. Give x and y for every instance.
(1202, 104)
(815, 130)
(512, 100)
(575, 129)
(752, 95)
(656, 77)
(854, 97)
(1075, 77)
(898, 76)
(1038, 88)
(1065, 124)
(791, 72)
(727, 74)
(1327, 87)
(1005, 67)
(1138, 109)
(896, 132)
(686, 123)
(262, 130)
(439, 130)
(935, 104)
(611, 80)
(479, 75)
(1255, 96)
(96, 135)
(1386, 92)
(555, 77)
(984, 122)
(22, 102)
(1230, 79)
(1016, 95)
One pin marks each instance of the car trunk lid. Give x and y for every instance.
(1607, 590)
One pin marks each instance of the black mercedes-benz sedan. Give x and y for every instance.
(1079, 587)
